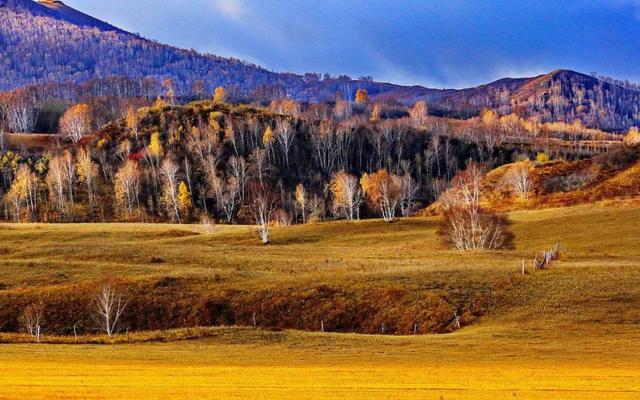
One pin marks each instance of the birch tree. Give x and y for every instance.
(109, 308)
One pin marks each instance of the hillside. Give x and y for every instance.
(612, 176)
(49, 42)
(571, 330)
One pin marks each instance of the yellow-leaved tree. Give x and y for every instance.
(346, 195)
(220, 95)
(184, 199)
(362, 96)
(268, 137)
(383, 192)
(632, 137)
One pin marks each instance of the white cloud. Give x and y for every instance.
(233, 9)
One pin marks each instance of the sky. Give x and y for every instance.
(434, 43)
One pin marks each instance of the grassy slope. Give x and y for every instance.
(570, 333)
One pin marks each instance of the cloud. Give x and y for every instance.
(233, 9)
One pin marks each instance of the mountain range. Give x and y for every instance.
(49, 42)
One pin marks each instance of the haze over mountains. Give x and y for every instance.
(49, 42)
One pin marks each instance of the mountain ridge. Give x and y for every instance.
(50, 42)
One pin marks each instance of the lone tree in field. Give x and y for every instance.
(32, 320)
(263, 205)
(466, 225)
(110, 306)
(76, 122)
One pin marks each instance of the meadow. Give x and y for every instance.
(570, 332)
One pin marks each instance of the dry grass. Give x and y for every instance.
(568, 333)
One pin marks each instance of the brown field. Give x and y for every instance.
(567, 333)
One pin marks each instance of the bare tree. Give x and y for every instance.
(263, 205)
(88, 172)
(227, 196)
(110, 306)
(301, 201)
(324, 140)
(169, 173)
(467, 226)
(285, 135)
(127, 187)
(518, 179)
(238, 169)
(19, 111)
(57, 182)
(32, 320)
(408, 190)
(260, 164)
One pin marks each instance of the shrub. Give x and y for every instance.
(542, 158)
(467, 226)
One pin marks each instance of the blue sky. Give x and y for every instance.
(435, 43)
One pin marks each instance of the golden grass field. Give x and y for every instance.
(568, 333)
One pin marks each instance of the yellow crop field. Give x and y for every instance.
(568, 333)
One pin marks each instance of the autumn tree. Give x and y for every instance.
(127, 188)
(301, 201)
(262, 206)
(131, 120)
(227, 196)
(285, 135)
(184, 199)
(88, 175)
(169, 91)
(18, 110)
(324, 140)
(466, 225)
(220, 95)
(362, 97)
(57, 181)
(518, 179)
(169, 173)
(32, 320)
(632, 137)
(419, 114)
(346, 194)
(76, 122)
(24, 191)
(408, 190)
(383, 192)
(153, 154)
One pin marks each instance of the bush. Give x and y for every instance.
(542, 158)
(466, 226)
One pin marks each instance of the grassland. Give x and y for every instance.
(567, 333)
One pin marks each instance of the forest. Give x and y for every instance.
(218, 161)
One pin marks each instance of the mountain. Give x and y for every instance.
(49, 42)
(561, 95)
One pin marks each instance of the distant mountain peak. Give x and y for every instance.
(58, 10)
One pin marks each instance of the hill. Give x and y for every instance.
(571, 330)
(560, 96)
(50, 42)
(613, 176)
